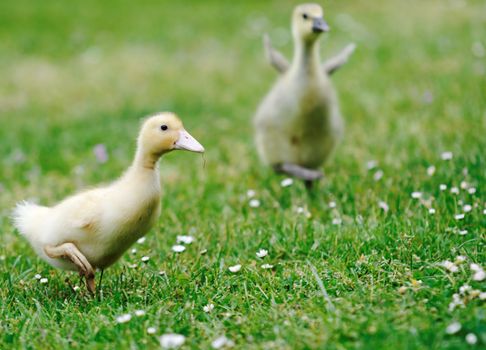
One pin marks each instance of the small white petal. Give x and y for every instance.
(221, 342)
(479, 275)
(337, 221)
(453, 328)
(208, 308)
(286, 182)
(141, 240)
(454, 190)
(383, 206)
(431, 211)
(460, 258)
(471, 339)
(450, 266)
(332, 205)
(171, 340)
(43, 280)
(151, 330)
(134, 251)
(262, 253)
(431, 170)
(139, 313)
(37, 276)
(475, 267)
(371, 164)
(463, 232)
(378, 175)
(76, 288)
(464, 288)
(185, 239)
(254, 203)
(459, 216)
(234, 268)
(464, 185)
(267, 266)
(145, 258)
(123, 318)
(446, 155)
(482, 296)
(472, 190)
(443, 187)
(178, 248)
(416, 195)
(467, 208)
(250, 193)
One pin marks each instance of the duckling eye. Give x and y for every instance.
(304, 16)
(164, 127)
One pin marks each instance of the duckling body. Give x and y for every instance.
(298, 124)
(94, 228)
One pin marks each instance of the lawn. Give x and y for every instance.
(374, 234)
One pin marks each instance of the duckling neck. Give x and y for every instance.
(145, 161)
(306, 57)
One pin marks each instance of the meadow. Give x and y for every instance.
(385, 253)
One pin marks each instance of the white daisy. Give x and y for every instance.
(208, 308)
(286, 182)
(267, 266)
(123, 318)
(171, 340)
(185, 239)
(446, 155)
(416, 195)
(178, 248)
(254, 203)
(453, 328)
(234, 268)
(139, 313)
(262, 253)
(141, 240)
(43, 280)
(222, 342)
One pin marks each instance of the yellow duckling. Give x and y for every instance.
(94, 228)
(298, 123)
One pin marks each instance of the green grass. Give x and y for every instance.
(79, 74)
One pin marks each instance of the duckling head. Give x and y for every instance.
(163, 133)
(308, 23)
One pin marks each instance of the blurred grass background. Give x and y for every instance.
(78, 74)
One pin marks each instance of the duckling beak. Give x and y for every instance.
(319, 25)
(188, 143)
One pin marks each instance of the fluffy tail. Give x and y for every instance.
(27, 218)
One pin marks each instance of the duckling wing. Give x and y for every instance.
(275, 58)
(83, 211)
(335, 62)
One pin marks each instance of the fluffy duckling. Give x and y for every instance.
(298, 123)
(94, 228)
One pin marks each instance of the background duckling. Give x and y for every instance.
(298, 123)
(92, 229)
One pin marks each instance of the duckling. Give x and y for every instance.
(92, 229)
(298, 123)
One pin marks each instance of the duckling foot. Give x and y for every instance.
(308, 175)
(71, 252)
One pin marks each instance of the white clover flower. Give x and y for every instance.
(443, 187)
(254, 203)
(222, 342)
(262, 253)
(471, 338)
(141, 240)
(208, 308)
(43, 280)
(446, 155)
(133, 251)
(450, 266)
(416, 195)
(267, 266)
(482, 296)
(337, 221)
(460, 259)
(178, 248)
(378, 175)
(453, 328)
(171, 340)
(185, 239)
(332, 204)
(250, 193)
(37, 276)
(145, 258)
(471, 190)
(371, 164)
(431, 170)
(464, 288)
(383, 206)
(454, 190)
(467, 208)
(151, 330)
(479, 275)
(475, 267)
(139, 313)
(459, 216)
(464, 185)
(431, 211)
(123, 318)
(234, 268)
(463, 232)
(286, 182)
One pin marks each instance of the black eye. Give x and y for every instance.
(304, 16)
(164, 127)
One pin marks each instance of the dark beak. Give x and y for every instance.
(319, 25)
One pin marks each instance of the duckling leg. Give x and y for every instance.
(334, 63)
(308, 175)
(276, 59)
(71, 252)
